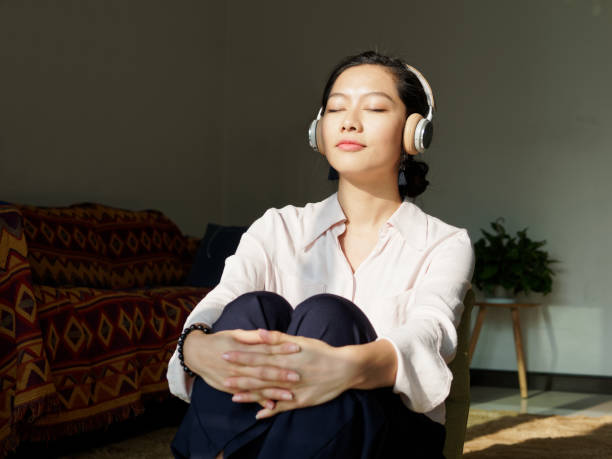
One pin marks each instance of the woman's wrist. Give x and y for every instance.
(374, 364)
(192, 347)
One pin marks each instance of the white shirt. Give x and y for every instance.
(411, 286)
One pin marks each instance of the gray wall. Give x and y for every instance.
(114, 102)
(201, 110)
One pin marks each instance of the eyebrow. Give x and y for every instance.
(373, 93)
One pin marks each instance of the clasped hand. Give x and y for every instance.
(280, 372)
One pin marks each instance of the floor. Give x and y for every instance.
(483, 398)
(541, 402)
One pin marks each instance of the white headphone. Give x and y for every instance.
(418, 131)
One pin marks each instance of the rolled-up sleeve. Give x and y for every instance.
(427, 339)
(247, 270)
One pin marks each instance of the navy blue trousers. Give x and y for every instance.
(356, 424)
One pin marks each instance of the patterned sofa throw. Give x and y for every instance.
(143, 248)
(64, 248)
(93, 245)
(92, 301)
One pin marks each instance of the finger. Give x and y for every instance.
(248, 358)
(272, 336)
(268, 349)
(281, 348)
(264, 373)
(285, 342)
(247, 336)
(255, 343)
(279, 408)
(261, 366)
(270, 394)
(276, 394)
(245, 384)
(269, 404)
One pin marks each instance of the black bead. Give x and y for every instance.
(181, 340)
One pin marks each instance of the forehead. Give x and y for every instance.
(366, 78)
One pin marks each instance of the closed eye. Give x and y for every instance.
(378, 110)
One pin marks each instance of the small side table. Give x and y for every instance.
(518, 342)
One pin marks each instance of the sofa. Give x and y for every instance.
(92, 301)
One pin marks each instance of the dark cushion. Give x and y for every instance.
(218, 243)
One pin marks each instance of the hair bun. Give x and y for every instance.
(415, 173)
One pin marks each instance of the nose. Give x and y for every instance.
(351, 122)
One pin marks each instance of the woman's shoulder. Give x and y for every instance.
(289, 220)
(433, 229)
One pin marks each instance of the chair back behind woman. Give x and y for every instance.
(458, 401)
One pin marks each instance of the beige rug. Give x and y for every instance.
(508, 434)
(491, 434)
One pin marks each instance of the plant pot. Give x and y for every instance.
(500, 295)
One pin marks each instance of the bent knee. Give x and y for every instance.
(330, 305)
(332, 318)
(256, 309)
(256, 299)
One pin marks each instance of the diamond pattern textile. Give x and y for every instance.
(91, 306)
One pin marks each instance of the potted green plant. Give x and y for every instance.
(511, 263)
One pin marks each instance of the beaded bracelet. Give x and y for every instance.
(203, 328)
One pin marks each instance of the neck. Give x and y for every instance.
(367, 208)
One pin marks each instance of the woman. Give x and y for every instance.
(333, 322)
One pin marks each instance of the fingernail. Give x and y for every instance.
(225, 356)
(258, 415)
(227, 383)
(294, 347)
(237, 398)
(293, 377)
(287, 396)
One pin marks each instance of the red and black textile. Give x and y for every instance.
(108, 350)
(144, 248)
(26, 386)
(64, 248)
(73, 357)
(93, 245)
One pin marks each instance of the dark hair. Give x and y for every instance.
(413, 96)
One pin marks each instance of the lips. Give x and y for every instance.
(349, 145)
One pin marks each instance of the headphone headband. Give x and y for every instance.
(426, 88)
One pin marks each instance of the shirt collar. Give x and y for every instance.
(408, 219)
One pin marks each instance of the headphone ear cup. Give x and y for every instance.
(424, 134)
(314, 136)
(319, 134)
(409, 133)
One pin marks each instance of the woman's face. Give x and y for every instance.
(363, 124)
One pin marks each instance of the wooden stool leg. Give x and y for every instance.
(479, 320)
(520, 359)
